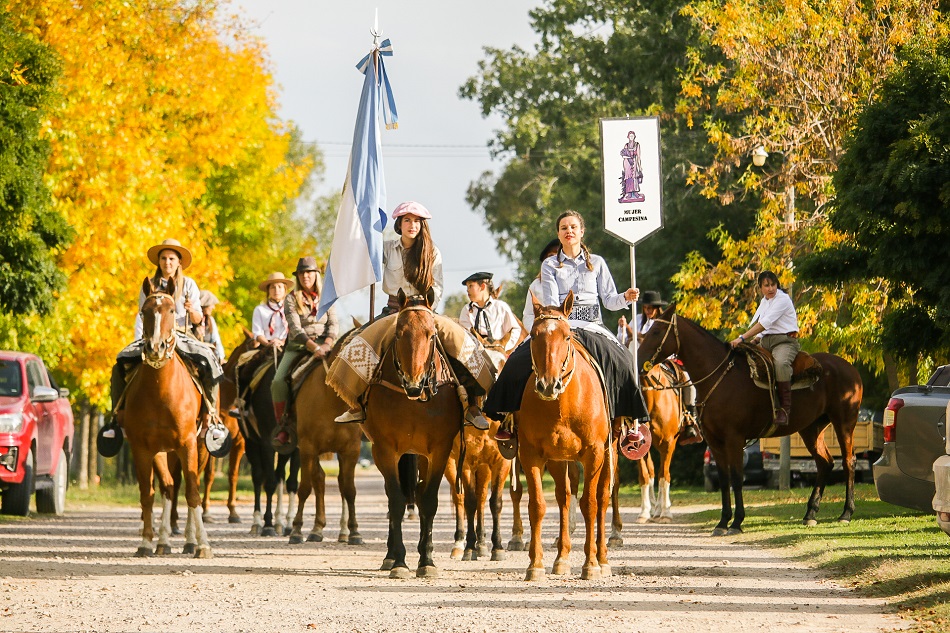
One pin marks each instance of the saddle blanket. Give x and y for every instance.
(805, 369)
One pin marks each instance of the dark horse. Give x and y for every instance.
(734, 410)
(412, 420)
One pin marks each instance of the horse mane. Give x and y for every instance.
(702, 330)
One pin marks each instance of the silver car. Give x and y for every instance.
(941, 500)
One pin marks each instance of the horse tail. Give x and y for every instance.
(408, 477)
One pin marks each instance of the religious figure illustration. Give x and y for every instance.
(632, 170)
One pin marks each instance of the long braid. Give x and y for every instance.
(590, 264)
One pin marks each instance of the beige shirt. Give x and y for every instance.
(394, 278)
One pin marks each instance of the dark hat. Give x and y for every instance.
(477, 277)
(553, 245)
(304, 264)
(652, 298)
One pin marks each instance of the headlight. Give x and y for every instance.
(11, 422)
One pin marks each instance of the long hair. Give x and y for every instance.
(300, 297)
(176, 277)
(580, 219)
(419, 258)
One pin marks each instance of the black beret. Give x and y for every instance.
(477, 277)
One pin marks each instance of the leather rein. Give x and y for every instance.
(430, 384)
(565, 375)
(171, 341)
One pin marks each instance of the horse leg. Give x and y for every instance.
(814, 440)
(591, 507)
(347, 483)
(293, 486)
(143, 473)
(306, 486)
(725, 515)
(257, 477)
(458, 505)
(848, 462)
(318, 481)
(562, 493)
(482, 485)
(408, 469)
(645, 473)
(173, 466)
(167, 486)
(206, 490)
(387, 463)
(281, 492)
(603, 497)
(469, 509)
(533, 467)
(664, 503)
(616, 524)
(736, 476)
(428, 506)
(189, 463)
(574, 476)
(270, 487)
(496, 502)
(516, 491)
(234, 465)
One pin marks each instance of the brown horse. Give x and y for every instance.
(416, 418)
(558, 470)
(733, 410)
(162, 405)
(317, 405)
(564, 418)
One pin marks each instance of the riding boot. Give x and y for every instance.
(117, 388)
(282, 435)
(506, 429)
(783, 415)
(689, 432)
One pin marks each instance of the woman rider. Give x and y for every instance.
(575, 269)
(305, 334)
(412, 263)
(776, 323)
(170, 259)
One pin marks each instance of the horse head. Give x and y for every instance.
(552, 348)
(414, 346)
(158, 323)
(661, 341)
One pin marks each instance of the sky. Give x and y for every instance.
(440, 146)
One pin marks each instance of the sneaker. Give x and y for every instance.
(218, 433)
(476, 419)
(350, 416)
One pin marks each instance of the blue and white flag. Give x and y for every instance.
(356, 255)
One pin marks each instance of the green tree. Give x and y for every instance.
(31, 232)
(893, 203)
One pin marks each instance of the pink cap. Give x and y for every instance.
(411, 207)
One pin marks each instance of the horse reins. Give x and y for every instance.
(171, 341)
(429, 382)
(565, 374)
(649, 364)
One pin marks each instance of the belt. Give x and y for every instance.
(586, 313)
(788, 334)
(792, 335)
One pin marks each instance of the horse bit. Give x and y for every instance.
(171, 341)
(565, 375)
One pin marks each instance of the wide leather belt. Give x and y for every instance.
(586, 313)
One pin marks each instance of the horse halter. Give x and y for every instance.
(428, 384)
(564, 375)
(648, 365)
(170, 342)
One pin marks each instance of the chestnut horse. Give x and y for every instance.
(734, 410)
(317, 405)
(162, 404)
(413, 419)
(564, 418)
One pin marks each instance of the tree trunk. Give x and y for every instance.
(890, 368)
(92, 467)
(83, 444)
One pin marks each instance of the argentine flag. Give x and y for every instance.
(356, 255)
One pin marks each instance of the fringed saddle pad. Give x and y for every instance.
(805, 370)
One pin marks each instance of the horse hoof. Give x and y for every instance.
(561, 568)
(176, 531)
(189, 548)
(428, 571)
(413, 515)
(287, 531)
(615, 541)
(642, 520)
(605, 570)
(255, 530)
(387, 564)
(515, 545)
(234, 519)
(268, 531)
(811, 522)
(163, 550)
(719, 531)
(733, 531)
(457, 553)
(315, 538)
(498, 554)
(144, 552)
(342, 538)
(204, 552)
(534, 574)
(844, 521)
(355, 539)
(400, 573)
(469, 554)
(483, 551)
(591, 573)
(207, 518)
(296, 539)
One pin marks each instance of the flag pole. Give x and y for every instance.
(376, 33)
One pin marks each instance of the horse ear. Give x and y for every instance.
(497, 292)
(669, 310)
(430, 298)
(535, 303)
(568, 304)
(147, 288)
(356, 322)
(248, 335)
(401, 299)
(170, 287)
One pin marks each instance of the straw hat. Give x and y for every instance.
(207, 299)
(172, 245)
(275, 278)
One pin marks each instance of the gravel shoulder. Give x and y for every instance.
(77, 573)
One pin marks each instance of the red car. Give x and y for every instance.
(36, 436)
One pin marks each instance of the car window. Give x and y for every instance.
(52, 381)
(35, 376)
(941, 377)
(10, 382)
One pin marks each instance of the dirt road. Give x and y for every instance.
(77, 573)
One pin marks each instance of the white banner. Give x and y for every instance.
(633, 184)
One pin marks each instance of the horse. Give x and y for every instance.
(317, 433)
(414, 418)
(733, 410)
(162, 404)
(564, 417)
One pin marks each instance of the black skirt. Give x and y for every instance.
(623, 396)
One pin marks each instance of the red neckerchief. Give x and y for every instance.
(275, 313)
(314, 304)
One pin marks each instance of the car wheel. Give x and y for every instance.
(53, 500)
(16, 498)
(709, 484)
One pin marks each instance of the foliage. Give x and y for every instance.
(795, 75)
(893, 192)
(32, 232)
(165, 128)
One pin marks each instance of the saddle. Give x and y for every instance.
(805, 370)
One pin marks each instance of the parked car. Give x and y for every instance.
(915, 435)
(941, 500)
(753, 472)
(36, 436)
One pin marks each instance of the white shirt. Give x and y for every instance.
(264, 317)
(527, 315)
(500, 321)
(394, 277)
(588, 285)
(189, 292)
(643, 323)
(777, 315)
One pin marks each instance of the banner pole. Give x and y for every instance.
(633, 316)
(372, 303)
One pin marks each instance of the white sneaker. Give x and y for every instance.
(218, 433)
(350, 416)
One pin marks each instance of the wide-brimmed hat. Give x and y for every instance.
(652, 298)
(553, 245)
(304, 264)
(207, 299)
(407, 208)
(172, 245)
(477, 277)
(275, 278)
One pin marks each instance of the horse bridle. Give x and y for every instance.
(171, 341)
(648, 365)
(429, 383)
(565, 374)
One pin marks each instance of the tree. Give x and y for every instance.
(893, 203)
(31, 231)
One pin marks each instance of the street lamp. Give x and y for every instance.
(759, 155)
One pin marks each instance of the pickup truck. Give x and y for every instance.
(36, 436)
(868, 444)
(915, 435)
